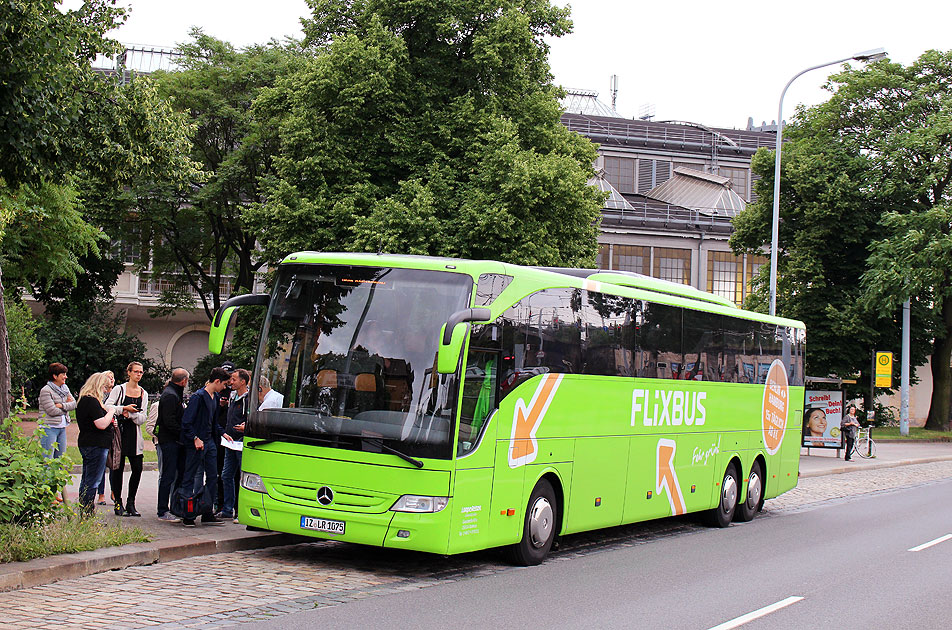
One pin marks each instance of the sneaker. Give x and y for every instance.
(236, 522)
(188, 522)
(211, 519)
(168, 517)
(226, 516)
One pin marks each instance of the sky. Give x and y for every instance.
(714, 63)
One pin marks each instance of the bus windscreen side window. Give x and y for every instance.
(480, 385)
(489, 286)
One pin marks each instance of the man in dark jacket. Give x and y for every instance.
(200, 434)
(168, 430)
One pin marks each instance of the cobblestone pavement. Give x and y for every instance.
(228, 589)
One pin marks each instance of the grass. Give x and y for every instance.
(67, 534)
(916, 434)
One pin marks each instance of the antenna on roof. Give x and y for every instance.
(646, 111)
(614, 88)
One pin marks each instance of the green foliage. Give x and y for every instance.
(68, 533)
(26, 352)
(205, 240)
(863, 221)
(425, 128)
(91, 339)
(29, 483)
(48, 85)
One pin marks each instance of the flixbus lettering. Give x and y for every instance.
(671, 408)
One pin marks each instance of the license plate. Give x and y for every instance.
(322, 525)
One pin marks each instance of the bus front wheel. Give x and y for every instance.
(538, 528)
(723, 512)
(747, 510)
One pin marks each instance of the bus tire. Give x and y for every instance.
(538, 527)
(723, 513)
(747, 510)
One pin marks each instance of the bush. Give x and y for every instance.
(26, 351)
(90, 338)
(29, 482)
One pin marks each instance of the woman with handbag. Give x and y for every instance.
(96, 424)
(133, 402)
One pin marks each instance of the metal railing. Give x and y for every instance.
(635, 130)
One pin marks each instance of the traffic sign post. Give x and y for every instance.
(884, 362)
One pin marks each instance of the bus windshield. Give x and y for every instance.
(352, 350)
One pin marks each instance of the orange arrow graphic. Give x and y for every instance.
(667, 477)
(526, 421)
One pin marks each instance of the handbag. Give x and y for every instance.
(114, 459)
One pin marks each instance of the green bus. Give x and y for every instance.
(447, 405)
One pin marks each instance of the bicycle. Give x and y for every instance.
(864, 446)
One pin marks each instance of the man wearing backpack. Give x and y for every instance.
(168, 432)
(200, 435)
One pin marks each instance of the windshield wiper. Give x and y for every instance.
(378, 442)
(258, 443)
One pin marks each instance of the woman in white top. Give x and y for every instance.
(55, 403)
(133, 401)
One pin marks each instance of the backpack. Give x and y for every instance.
(191, 506)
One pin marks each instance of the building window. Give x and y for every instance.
(730, 276)
(630, 258)
(672, 264)
(725, 276)
(604, 256)
(738, 177)
(620, 173)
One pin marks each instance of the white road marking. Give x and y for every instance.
(757, 614)
(931, 543)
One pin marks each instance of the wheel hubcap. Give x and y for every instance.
(730, 493)
(753, 490)
(540, 522)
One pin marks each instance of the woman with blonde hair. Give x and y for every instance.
(132, 402)
(95, 435)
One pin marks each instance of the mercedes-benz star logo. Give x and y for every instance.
(325, 496)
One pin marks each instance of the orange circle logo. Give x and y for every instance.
(776, 403)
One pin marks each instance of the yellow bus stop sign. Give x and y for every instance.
(884, 362)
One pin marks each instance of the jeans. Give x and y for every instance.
(198, 462)
(172, 465)
(50, 437)
(229, 479)
(94, 465)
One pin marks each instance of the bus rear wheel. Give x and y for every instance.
(747, 510)
(538, 527)
(722, 514)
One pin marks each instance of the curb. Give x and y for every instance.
(875, 466)
(18, 575)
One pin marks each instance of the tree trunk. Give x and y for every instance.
(941, 373)
(4, 358)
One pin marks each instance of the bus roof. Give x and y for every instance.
(609, 281)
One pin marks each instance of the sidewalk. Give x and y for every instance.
(172, 541)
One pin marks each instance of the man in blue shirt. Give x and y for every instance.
(200, 435)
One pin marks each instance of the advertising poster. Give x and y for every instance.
(822, 412)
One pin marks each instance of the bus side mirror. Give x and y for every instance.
(453, 335)
(216, 336)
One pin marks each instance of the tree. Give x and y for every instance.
(200, 239)
(26, 351)
(66, 129)
(865, 194)
(427, 128)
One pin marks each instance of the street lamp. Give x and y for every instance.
(867, 56)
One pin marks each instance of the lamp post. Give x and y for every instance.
(867, 56)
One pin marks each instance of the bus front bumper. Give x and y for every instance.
(401, 530)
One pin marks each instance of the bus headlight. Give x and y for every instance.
(415, 503)
(253, 482)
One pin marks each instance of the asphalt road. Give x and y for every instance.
(849, 560)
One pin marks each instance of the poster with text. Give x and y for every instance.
(822, 412)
